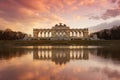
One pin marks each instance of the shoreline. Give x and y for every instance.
(60, 42)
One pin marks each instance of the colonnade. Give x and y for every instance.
(60, 31)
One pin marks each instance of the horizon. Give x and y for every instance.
(24, 15)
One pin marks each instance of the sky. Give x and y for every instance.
(24, 15)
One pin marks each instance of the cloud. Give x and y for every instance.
(39, 12)
(104, 25)
(111, 74)
(119, 3)
(87, 2)
(113, 1)
(41, 70)
(25, 9)
(111, 12)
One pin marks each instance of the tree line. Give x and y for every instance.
(8, 34)
(109, 34)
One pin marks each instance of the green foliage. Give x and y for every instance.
(57, 42)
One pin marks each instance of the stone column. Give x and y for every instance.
(41, 34)
(79, 34)
(85, 33)
(44, 34)
(48, 34)
(76, 34)
(35, 34)
(53, 33)
(73, 33)
(69, 33)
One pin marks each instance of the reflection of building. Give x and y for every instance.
(60, 32)
(60, 55)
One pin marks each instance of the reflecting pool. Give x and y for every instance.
(59, 63)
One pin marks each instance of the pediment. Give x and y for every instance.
(60, 26)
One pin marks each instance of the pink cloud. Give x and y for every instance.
(26, 12)
(113, 1)
(27, 9)
(111, 13)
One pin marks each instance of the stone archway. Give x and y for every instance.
(60, 32)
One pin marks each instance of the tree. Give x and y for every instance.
(8, 34)
(109, 34)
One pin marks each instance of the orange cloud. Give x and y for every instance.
(87, 2)
(41, 12)
(70, 2)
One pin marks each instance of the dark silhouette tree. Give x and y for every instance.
(109, 34)
(8, 34)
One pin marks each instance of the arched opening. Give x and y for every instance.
(77, 34)
(39, 34)
(71, 34)
(49, 34)
(81, 35)
(43, 34)
(74, 33)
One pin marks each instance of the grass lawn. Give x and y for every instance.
(60, 42)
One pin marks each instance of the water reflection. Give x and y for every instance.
(59, 55)
(109, 53)
(63, 53)
(59, 63)
(9, 52)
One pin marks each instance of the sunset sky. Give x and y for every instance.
(24, 15)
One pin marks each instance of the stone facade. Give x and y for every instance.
(60, 32)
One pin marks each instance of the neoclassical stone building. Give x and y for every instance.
(60, 32)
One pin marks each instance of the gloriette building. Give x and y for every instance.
(60, 32)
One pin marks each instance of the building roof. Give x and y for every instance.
(60, 26)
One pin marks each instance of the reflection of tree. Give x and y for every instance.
(60, 55)
(111, 52)
(8, 53)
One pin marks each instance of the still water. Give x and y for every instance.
(60, 63)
